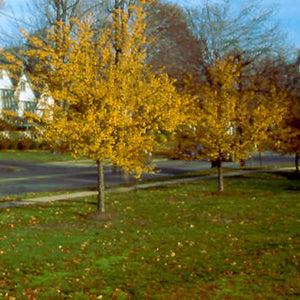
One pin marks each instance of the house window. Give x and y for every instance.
(30, 106)
(7, 94)
(9, 102)
(23, 86)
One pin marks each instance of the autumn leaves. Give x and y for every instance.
(109, 104)
(234, 113)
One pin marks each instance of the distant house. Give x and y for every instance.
(21, 98)
(25, 96)
(44, 104)
(7, 99)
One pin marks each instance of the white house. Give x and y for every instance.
(7, 99)
(25, 96)
(21, 97)
(45, 104)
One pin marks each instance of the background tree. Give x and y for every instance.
(286, 137)
(173, 45)
(166, 27)
(249, 32)
(115, 104)
(42, 15)
(228, 121)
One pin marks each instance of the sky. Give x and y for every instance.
(288, 14)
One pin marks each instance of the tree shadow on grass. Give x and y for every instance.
(293, 188)
(291, 175)
(294, 177)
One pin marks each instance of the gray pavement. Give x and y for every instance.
(21, 177)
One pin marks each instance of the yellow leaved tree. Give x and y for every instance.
(109, 104)
(286, 138)
(230, 121)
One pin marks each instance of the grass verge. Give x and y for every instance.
(34, 156)
(176, 242)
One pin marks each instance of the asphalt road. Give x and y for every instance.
(18, 177)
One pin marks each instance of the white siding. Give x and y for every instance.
(24, 93)
(5, 82)
(45, 105)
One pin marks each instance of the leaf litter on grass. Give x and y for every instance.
(157, 245)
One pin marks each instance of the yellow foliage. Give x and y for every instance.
(11, 63)
(109, 104)
(286, 137)
(231, 119)
(31, 117)
(8, 114)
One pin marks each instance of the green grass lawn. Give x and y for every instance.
(35, 156)
(177, 242)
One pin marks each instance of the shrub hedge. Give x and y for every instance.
(21, 141)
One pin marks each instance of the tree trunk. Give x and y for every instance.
(126, 176)
(242, 163)
(214, 163)
(220, 176)
(100, 187)
(297, 157)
